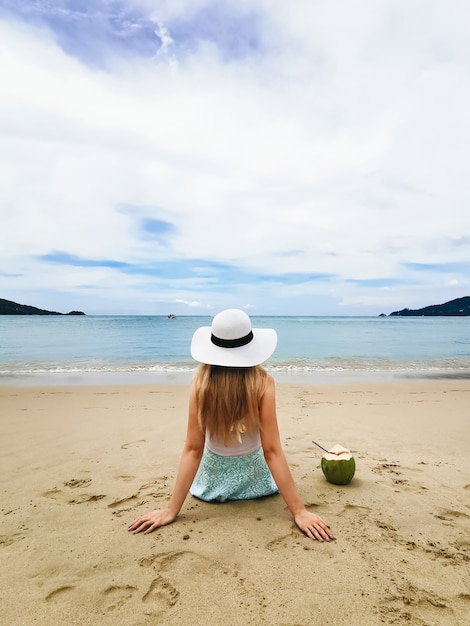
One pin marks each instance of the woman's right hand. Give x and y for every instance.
(313, 526)
(148, 523)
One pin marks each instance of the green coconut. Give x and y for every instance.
(338, 465)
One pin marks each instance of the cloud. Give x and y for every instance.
(296, 157)
(235, 31)
(193, 305)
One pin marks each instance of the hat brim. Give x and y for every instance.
(256, 352)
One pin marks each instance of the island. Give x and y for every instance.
(454, 308)
(7, 307)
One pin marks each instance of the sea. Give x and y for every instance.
(78, 350)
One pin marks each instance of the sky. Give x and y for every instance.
(308, 157)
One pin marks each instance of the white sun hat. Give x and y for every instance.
(232, 342)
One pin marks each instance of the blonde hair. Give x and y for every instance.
(228, 400)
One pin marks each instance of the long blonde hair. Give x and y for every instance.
(228, 400)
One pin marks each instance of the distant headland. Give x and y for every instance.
(7, 307)
(454, 308)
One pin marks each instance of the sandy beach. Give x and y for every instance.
(80, 463)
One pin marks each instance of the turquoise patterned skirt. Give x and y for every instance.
(221, 478)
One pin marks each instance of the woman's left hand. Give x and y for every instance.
(148, 523)
(313, 526)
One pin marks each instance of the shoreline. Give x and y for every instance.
(59, 379)
(80, 463)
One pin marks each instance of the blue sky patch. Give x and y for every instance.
(157, 229)
(214, 272)
(439, 267)
(292, 278)
(235, 33)
(64, 258)
(94, 30)
(378, 282)
(91, 30)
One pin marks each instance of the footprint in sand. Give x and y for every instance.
(116, 596)
(148, 490)
(449, 515)
(384, 526)
(171, 583)
(357, 507)
(408, 603)
(118, 503)
(58, 593)
(77, 482)
(462, 544)
(133, 444)
(56, 494)
(52, 493)
(283, 542)
(125, 478)
(452, 556)
(391, 467)
(397, 470)
(161, 594)
(409, 485)
(85, 497)
(7, 540)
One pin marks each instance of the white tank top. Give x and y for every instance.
(250, 443)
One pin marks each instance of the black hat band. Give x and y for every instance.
(232, 343)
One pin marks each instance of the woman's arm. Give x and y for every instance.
(188, 466)
(312, 525)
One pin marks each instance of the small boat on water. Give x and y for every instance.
(172, 316)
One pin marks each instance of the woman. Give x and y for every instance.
(233, 449)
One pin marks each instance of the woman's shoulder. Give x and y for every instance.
(269, 384)
(269, 379)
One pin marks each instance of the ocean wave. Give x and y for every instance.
(105, 369)
(296, 366)
(381, 365)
